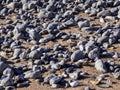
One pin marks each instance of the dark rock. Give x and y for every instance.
(77, 55)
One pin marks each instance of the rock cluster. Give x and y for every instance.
(27, 27)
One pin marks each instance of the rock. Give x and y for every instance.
(23, 84)
(34, 35)
(74, 75)
(94, 53)
(116, 75)
(23, 55)
(55, 80)
(74, 83)
(48, 78)
(3, 66)
(77, 55)
(33, 74)
(8, 72)
(87, 88)
(55, 66)
(104, 85)
(100, 66)
(103, 13)
(16, 53)
(102, 39)
(10, 88)
(52, 26)
(7, 81)
(55, 86)
(100, 77)
(82, 24)
(35, 54)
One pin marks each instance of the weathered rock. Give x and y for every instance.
(3, 66)
(35, 54)
(100, 66)
(33, 75)
(8, 72)
(82, 24)
(7, 81)
(74, 83)
(55, 80)
(16, 53)
(23, 84)
(77, 55)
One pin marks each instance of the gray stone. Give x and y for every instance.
(103, 13)
(74, 83)
(102, 39)
(74, 75)
(23, 84)
(34, 35)
(55, 80)
(8, 72)
(104, 85)
(55, 86)
(33, 74)
(100, 77)
(16, 53)
(87, 88)
(82, 24)
(55, 66)
(3, 66)
(93, 53)
(116, 75)
(48, 78)
(100, 65)
(23, 55)
(35, 54)
(9, 88)
(7, 81)
(77, 55)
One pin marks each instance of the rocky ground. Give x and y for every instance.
(59, 44)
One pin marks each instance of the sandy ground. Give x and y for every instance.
(34, 85)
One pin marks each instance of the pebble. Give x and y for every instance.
(42, 41)
(74, 83)
(23, 84)
(82, 24)
(7, 81)
(100, 66)
(77, 55)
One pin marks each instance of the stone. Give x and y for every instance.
(23, 84)
(82, 24)
(34, 35)
(3, 66)
(102, 39)
(7, 81)
(104, 85)
(77, 55)
(74, 83)
(16, 53)
(35, 54)
(48, 78)
(87, 88)
(103, 13)
(100, 66)
(74, 75)
(23, 55)
(55, 80)
(8, 72)
(10, 88)
(33, 74)
(116, 75)
(94, 53)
